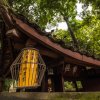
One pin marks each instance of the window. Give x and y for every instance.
(79, 84)
(69, 86)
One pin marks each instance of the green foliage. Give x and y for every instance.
(69, 86)
(79, 84)
(46, 11)
(7, 84)
(62, 35)
(89, 36)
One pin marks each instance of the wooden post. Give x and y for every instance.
(44, 85)
(58, 79)
(1, 84)
(75, 84)
(59, 83)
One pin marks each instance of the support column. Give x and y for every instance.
(1, 84)
(59, 79)
(59, 83)
(75, 84)
(44, 85)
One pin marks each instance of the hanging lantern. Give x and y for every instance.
(28, 69)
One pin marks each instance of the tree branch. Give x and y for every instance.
(71, 33)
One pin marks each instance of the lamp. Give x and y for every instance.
(28, 69)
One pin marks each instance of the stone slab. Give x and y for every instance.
(50, 96)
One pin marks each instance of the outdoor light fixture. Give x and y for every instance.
(28, 69)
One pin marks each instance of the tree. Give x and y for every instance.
(47, 11)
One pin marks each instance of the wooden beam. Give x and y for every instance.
(56, 63)
(15, 34)
(47, 52)
(79, 62)
(6, 17)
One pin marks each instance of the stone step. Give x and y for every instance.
(50, 96)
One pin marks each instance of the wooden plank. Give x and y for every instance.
(47, 52)
(6, 17)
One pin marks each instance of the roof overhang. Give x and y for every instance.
(69, 56)
(32, 33)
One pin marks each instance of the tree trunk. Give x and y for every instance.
(71, 33)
